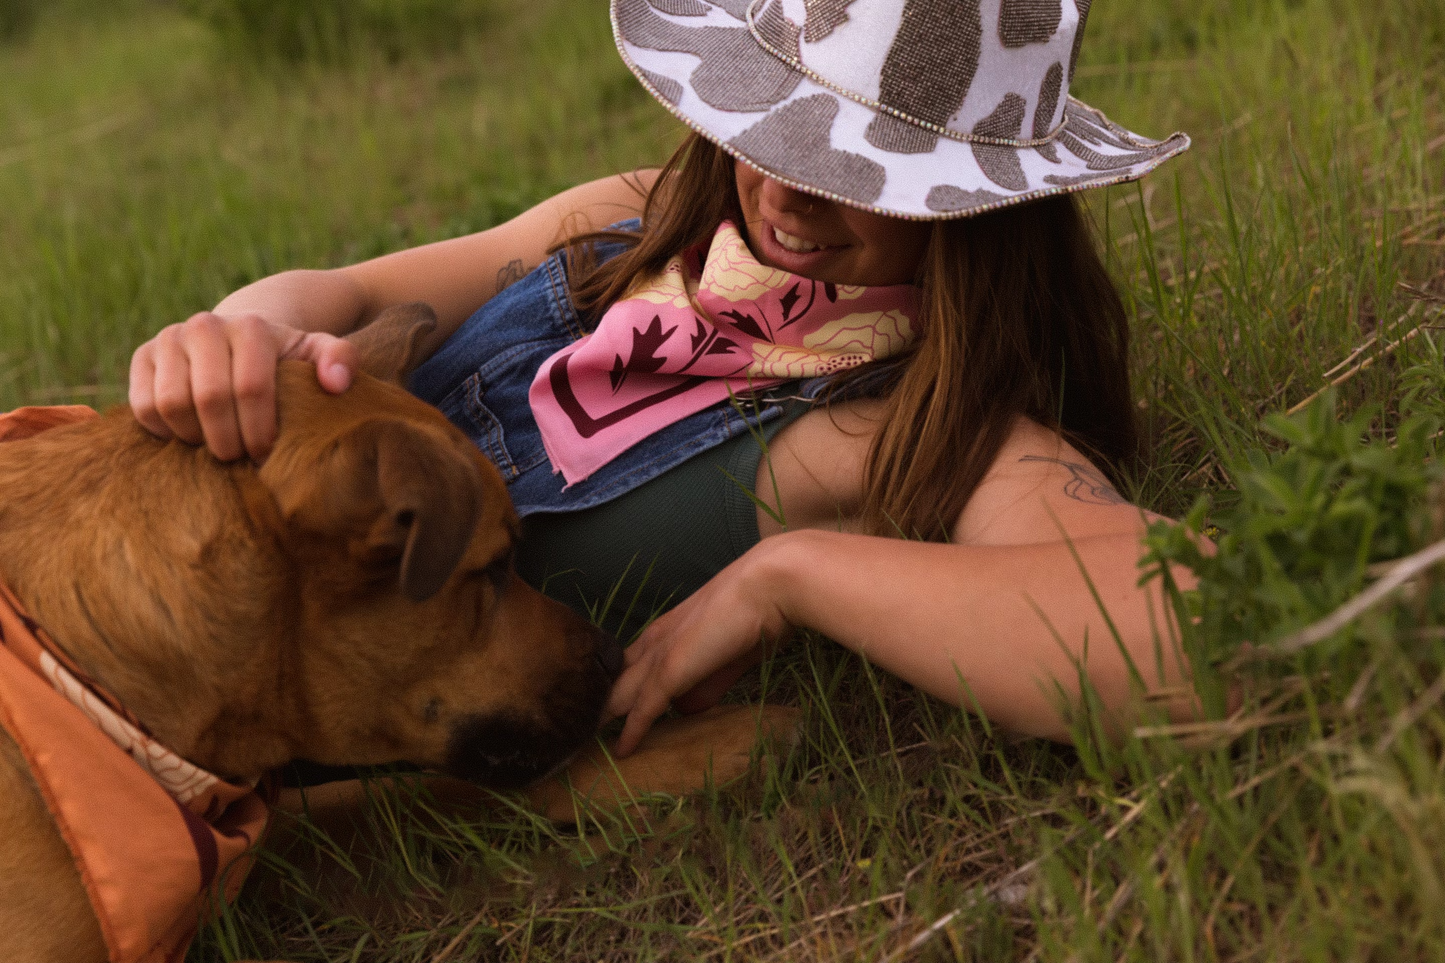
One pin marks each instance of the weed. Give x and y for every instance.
(1308, 526)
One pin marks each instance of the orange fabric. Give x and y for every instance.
(152, 865)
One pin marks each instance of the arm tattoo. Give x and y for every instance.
(1088, 485)
(511, 274)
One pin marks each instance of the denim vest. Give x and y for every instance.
(481, 376)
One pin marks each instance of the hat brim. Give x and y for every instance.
(705, 67)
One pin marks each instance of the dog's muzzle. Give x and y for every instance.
(507, 750)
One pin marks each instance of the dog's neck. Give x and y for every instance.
(147, 564)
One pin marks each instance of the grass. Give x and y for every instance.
(147, 168)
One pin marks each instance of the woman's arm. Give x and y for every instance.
(1003, 620)
(212, 377)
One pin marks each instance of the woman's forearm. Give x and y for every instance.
(1015, 625)
(325, 301)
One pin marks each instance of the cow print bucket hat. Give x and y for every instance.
(921, 109)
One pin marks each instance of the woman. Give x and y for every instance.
(848, 153)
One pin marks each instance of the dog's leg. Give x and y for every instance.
(678, 756)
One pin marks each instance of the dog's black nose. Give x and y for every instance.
(608, 652)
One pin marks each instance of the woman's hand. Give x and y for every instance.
(692, 654)
(212, 379)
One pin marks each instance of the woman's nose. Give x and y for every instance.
(786, 200)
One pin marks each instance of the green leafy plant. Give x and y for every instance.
(1309, 523)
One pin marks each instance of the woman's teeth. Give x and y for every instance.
(795, 244)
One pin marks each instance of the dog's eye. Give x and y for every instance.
(498, 572)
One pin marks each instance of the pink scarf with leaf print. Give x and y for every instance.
(704, 330)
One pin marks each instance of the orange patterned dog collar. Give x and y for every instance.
(155, 838)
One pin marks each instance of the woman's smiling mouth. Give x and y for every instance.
(789, 252)
(795, 244)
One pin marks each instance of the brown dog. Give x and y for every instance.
(351, 601)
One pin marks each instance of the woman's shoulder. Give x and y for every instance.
(594, 205)
(584, 209)
(1039, 487)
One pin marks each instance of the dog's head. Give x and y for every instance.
(419, 642)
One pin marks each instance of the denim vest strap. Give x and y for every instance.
(481, 376)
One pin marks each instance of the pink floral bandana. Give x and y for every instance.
(697, 334)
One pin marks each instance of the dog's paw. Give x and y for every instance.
(677, 757)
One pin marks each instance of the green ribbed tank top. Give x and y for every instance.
(638, 555)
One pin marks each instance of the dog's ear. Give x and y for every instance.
(433, 499)
(399, 339)
(395, 493)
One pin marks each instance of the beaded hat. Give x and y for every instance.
(922, 109)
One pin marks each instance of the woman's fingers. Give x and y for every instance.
(254, 351)
(637, 661)
(171, 392)
(659, 666)
(215, 398)
(212, 380)
(651, 703)
(694, 653)
(335, 359)
(142, 391)
(624, 690)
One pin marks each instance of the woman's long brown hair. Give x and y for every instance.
(1018, 316)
